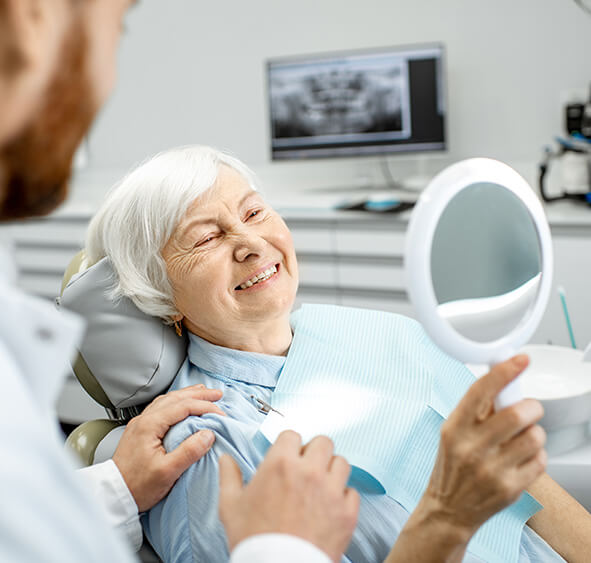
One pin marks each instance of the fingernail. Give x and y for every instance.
(520, 361)
(207, 437)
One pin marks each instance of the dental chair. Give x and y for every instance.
(126, 359)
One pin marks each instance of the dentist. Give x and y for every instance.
(57, 67)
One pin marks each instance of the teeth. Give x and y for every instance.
(260, 277)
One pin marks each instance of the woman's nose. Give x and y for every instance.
(248, 245)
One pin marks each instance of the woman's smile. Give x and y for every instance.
(260, 279)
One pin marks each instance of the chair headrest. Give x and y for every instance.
(132, 356)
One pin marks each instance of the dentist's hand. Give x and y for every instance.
(302, 492)
(146, 468)
(486, 459)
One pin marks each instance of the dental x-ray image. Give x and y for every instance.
(336, 98)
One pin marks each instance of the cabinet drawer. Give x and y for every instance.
(386, 276)
(71, 234)
(48, 286)
(370, 243)
(313, 241)
(322, 296)
(318, 274)
(34, 259)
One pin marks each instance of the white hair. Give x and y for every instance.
(140, 214)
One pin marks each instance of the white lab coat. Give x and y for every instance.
(47, 514)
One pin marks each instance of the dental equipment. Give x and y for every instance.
(566, 316)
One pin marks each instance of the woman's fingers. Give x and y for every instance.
(505, 424)
(524, 446)
(529, 471)
(487, 459)
(483, 392)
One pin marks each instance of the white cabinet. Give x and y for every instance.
(572, 271)
(361, 258)
(43, 249)
(351, 259)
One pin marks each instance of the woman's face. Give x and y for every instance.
(228, 239)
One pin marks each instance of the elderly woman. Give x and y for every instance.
(194, 243)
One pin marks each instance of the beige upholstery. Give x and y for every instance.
(85, 438)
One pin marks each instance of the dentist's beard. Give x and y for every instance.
(35, 166)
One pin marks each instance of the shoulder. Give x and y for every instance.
(182, 430)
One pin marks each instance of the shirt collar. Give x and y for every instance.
(247, 367)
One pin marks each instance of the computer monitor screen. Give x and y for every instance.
(357, 103)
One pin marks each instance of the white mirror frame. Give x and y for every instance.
(417, 259)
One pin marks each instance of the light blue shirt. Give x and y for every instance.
(185, 525)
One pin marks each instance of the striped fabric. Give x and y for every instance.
(330, 346)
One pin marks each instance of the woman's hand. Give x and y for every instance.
(486, 459)
(148, 471)
(297, 491)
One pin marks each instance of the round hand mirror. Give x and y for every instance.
(478, 261)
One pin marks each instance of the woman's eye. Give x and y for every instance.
(205, 240)
(253, 213)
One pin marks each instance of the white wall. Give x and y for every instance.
(192, 72)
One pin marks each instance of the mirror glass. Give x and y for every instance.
(486, 262)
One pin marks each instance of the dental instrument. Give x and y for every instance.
(265, 407)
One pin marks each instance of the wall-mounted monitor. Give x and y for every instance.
(357, 103)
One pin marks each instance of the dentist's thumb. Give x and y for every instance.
(190, 451)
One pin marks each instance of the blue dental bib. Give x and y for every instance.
(376, 384)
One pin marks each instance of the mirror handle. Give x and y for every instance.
(509, 395)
